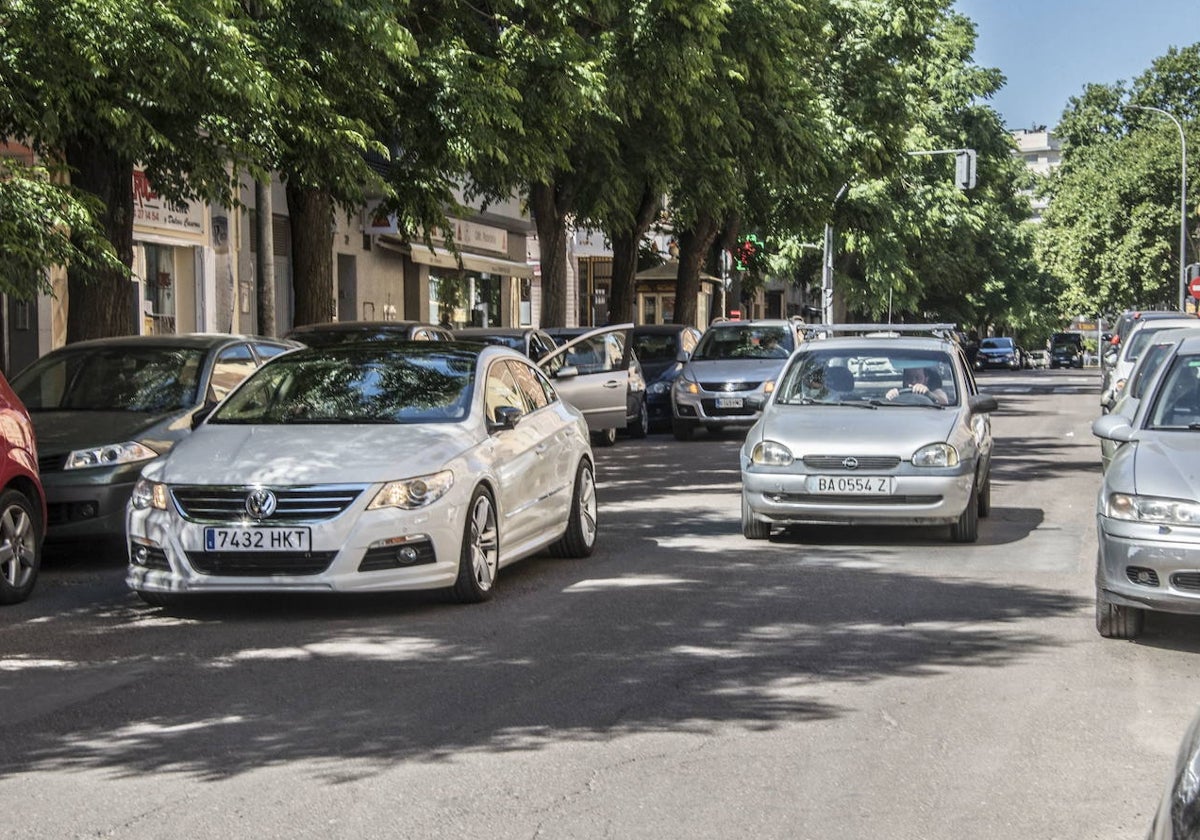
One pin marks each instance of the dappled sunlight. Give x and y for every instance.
(628, 582)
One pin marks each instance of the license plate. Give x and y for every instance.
(729, 402)
(852, 485)
(257, 539)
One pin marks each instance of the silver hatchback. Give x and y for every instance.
(877, 429)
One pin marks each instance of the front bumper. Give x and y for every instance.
(1148, 566)
(927, 497)
(88, 504)
(344, 553)
(702, 409)
(989, 362)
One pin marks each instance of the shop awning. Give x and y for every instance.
(441, 258)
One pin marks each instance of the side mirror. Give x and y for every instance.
(1113, 427)
(201, 414)
(982, 404)
(507, 417)
(755, 402)
(683, 357)
(566, 372)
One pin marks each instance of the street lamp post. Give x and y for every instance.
(1182, 199)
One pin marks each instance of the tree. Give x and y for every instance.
(102, 84)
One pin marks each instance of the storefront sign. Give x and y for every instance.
(154, 214)
(480, 237)
(376, 221)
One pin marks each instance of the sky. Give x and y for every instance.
(1049, 49)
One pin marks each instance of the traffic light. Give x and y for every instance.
(748, 253)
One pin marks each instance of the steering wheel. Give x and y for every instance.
(907, 396)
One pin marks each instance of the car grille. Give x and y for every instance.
(256, 563)
(51, 463)
(1186, 580)
(850, 499)
(295, 504)
(729, 387)
(865, 462)
(1141, 575)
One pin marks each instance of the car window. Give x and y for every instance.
(865, 374)
(749, 341)
(531, 387)
(270, 351)
(656, 347)
(996, 344)
(144, 379)
(598, 354)
(1177, 401)
(1152, 360)
(690, 338)
(232, 366)
(501, 390)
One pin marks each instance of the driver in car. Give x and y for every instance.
(919, 380)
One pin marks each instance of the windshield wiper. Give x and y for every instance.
(811, 401)
(938, 406)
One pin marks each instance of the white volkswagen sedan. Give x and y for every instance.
(367, 467)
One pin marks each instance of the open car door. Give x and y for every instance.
(593, 373)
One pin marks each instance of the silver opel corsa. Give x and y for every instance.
(887, 428)
(1148, 508)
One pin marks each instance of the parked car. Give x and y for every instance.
(1178, 813)
(1148, 507)
(662, 349)
(22, 500)
(534, 343)
(1066, 355)
(342, 332)
(368, 467)
(599, 373)
(832, 447)
(1124, 325)
(1127, 354)
(997, 352)
(101, 409)
(1039, 359)
(1148, 364)
(734, 361)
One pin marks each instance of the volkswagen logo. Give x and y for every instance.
(261, 503)
(849, 463)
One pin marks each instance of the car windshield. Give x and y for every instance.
(356, 384)
(1138, 342)
(1154, 356)
(996, 344)
(154, 380)
(661, 347)
(744, 341)
(867, 375)
(1177, 401)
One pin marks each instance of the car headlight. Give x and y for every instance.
(659, 387)
(768, 386)
(129, 452)
(413, 493)
(768, 453)
(149, 494)
(1152, 509)
(686, 383)
(936, 455)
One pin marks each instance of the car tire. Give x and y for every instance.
(985, 497)
(966, 529)
(753, 529)
(682, 429)
(21, 543)
(479, 557)
(641, 423)
(1114, 621)
(604, 437)
(580, 537)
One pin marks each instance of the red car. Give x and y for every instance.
(22, 502)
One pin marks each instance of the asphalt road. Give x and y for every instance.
(681, 683)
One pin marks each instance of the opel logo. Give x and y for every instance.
(849, 463)
(260, 503)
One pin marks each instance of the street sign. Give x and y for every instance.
(1194, 288)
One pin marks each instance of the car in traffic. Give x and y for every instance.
(347, 332)
(22, 500)
(1148, 505)
(662, 350)
(102, 409)
(1039, 359)
(368, 467)
(997, 352)
(1066, 350)
(734, 361)
(533, 342)
(835, 448)
(1140, 335)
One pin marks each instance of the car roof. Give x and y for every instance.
(510, 331)
(901, 342)
(200, 341)
(350, 326)
(661, 329)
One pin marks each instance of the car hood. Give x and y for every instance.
(1168, 465)
(735, 370)
(313, 454)
(59, 432)
(844, 430)
(653, 371)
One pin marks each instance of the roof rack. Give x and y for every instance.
(882, 330)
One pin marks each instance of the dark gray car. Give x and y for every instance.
(103, 409)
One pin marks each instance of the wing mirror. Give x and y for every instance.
(201, 414)
(1113, 427)
(755, 402)
(507, 417)
(683, 357)
(982, 403)
(566, 372)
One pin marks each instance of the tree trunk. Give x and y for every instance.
(551, 221)
(693, 248)
(100, 303)
(622, 305)
(311, 214)
(264, 259)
